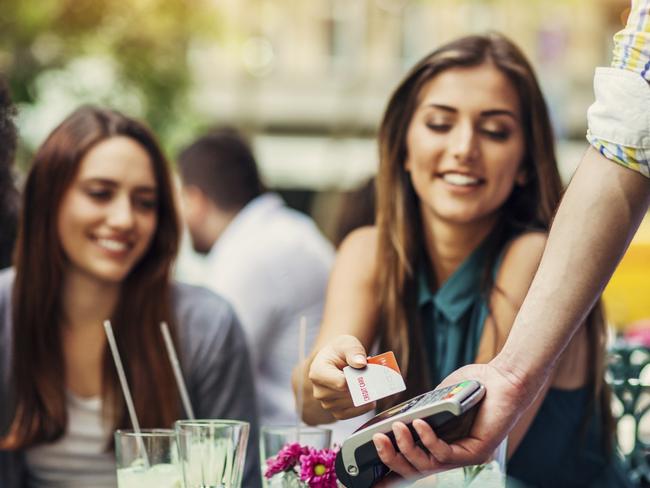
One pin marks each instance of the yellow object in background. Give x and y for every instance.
(627, 296)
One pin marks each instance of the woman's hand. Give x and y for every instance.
(328, 380)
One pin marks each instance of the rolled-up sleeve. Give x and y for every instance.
(619, 119)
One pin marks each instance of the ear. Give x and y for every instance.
(194, 199)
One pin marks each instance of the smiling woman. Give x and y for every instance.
(466, 189)
(98, 234)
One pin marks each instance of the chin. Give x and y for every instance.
(201, 249)
(112, 276)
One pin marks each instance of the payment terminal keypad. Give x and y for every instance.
(436, 395)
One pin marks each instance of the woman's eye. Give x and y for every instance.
(146, 203)
(439, 127)
(99, 194)
(497, 135)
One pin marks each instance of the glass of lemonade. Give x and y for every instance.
(147, 459)
(212, 452)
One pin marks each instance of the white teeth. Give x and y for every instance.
(112, 245)
(459, 179)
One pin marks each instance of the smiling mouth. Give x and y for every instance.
(458, 179)
(113, 245)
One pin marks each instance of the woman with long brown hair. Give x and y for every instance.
(98, 235)
(466, 189)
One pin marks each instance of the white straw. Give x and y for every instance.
(125, 386)
(173, 358)
(302, 339)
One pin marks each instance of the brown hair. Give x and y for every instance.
(38, 383)
(530, 206)
(221, 164)
(9, 199)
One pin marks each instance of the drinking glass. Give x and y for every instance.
(147, 459)
(275, 437)
(212, 452)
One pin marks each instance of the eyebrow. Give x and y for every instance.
(113, 184)
(484, 113)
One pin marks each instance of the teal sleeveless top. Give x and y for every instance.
(556, 451)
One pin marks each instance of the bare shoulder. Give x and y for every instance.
(358, 251)
(520, 262)
(351, 302)
(361, 240)
(526, 248)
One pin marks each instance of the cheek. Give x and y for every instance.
(70, 219)
(149, 226)
(506, 181)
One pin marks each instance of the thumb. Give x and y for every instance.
(355, 353)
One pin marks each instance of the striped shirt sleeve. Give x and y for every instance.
(618, 126)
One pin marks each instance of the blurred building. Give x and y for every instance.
(311, 78)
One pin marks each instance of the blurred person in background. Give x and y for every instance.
(98, 235)
(9, 198)
(467, 187)
(270, 261)
(357, 210)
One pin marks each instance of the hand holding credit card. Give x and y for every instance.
(379, 379)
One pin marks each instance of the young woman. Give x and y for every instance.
(467, 186)
(98, 234)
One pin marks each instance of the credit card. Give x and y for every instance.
(379, 379)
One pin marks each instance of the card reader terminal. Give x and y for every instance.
(450, 411)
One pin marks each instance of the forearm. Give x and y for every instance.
(598, 216)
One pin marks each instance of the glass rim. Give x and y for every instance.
(308, 429)
(211, 423)
(146, 433)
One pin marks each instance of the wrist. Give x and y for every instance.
(523, 374)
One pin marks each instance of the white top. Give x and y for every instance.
(79, 459)
(272, 264)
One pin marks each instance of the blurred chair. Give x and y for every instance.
(630, 385)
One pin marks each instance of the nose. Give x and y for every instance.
(120, 214)
(464, 143)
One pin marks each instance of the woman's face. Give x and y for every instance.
(465, 145)
(108, 216)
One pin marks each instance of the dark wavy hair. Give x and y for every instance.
(9, 200)
(38, 382)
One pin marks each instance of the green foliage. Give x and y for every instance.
(144, 41)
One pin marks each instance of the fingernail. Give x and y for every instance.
(377, 445)
(360, 358)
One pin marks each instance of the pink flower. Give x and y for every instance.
(285, 460)
(317, 468)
